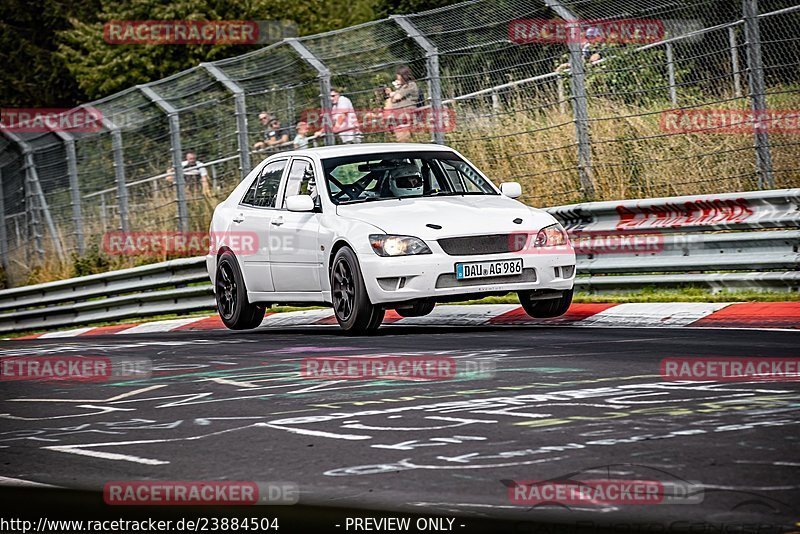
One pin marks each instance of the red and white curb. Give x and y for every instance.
(757, 315)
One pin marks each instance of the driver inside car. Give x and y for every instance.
(406, 181)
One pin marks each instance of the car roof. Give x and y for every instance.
(365, 148)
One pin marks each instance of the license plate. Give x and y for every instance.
(484, 269)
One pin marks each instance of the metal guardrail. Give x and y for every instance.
(681, 240)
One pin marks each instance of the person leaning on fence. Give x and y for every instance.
(343, 118)
(302, 139)
(404, 98)
(264, 118)
(195, 175)
(377, 119)
(277, 135)
(590, 49)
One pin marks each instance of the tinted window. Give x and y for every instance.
(300, 180)
(264, 190)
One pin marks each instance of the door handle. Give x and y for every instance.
(278, 221)
(239, 218)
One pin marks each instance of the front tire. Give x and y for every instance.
(354, 312)
(231, 294)
(545, 308)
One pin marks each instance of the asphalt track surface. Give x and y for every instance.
(564, 403)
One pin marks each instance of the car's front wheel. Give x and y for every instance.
(351, 305)
(545, 308)
(231, 294)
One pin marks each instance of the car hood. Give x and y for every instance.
(457, 215)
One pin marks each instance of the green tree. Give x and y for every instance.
(31, 75)
(101, 68)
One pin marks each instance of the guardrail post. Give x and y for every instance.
(74, 189)
(32, 178)
(324, 76)
(737, 76)
(434, 81)
(240, 113)
(758, 98)
(579, 102)
(673, 95)
(177, 152)
(3, 233)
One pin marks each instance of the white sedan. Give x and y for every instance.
(370, 227)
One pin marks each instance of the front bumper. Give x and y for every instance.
(432, 276)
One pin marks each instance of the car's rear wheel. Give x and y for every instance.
(417, 310)
(545, 308)
(351, 305)
(231, 294)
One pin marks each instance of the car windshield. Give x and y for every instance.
(395, 175)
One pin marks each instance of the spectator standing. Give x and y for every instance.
(344, 119)
(403, 98)
(195, 175)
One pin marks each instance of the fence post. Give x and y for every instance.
(579, 102)
(177, 152)
(758, 98)
(32, 224)
(324, 83)
(241, 115)
(673, 95)
(74, 189)
(432, 66)
(737, 77)
(119, 170)
(32, 178)
(3, 233)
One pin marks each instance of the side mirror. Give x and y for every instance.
(511, 189)
(300, 203)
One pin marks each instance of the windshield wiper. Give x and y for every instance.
(455, 193)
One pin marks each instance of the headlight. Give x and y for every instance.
(551, 236)
(397, 245)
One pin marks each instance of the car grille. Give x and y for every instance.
(483, 244)
(446, 280)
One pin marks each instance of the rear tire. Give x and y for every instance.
(545, 308)
(419, 309)
(354, 312)
(231, 295)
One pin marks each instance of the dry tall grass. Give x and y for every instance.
(631, 158)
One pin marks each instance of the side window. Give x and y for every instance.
(300, 181)
(264, 190)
